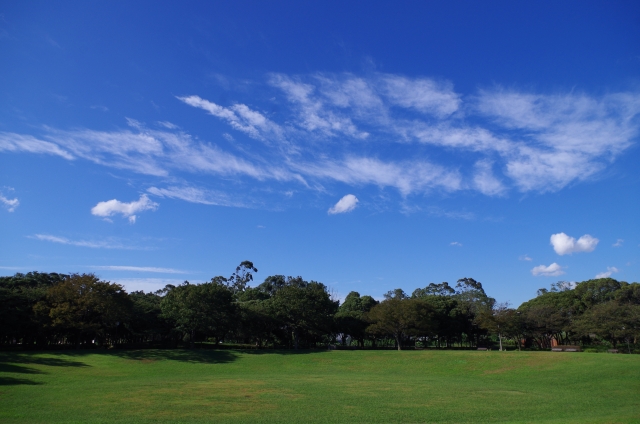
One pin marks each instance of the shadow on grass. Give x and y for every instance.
(10, 381)
(16, 363)
(13, 362)
(183, 355)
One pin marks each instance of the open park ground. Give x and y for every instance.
(150, 386)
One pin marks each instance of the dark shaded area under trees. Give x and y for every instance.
(44, 311)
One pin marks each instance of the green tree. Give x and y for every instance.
(82, 308)
(205, 308)
(611, 321)
(399, 317)
(501, 321)
(351, 316)
(305, 309)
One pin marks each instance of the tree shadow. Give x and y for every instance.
(182, 355)
(212, 356)
(11, 381)
(17, 369)
(284, 352)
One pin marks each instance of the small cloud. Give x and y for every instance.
(9, 204)
(228, 137)
(146, 284)
(346, 204)
(261, 226)
(100, 108)
(140, 269)
(618, 243)
(565, 245)
(134, 123)
(547, 271)
(168, 125)
(128, 210)
(525, 258)
(610, 270)
(455, 243)
(288, 193)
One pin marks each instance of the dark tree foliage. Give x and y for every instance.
(400, 317)
(351, 318)
(18, 296)
(80, 310)
(200, 310)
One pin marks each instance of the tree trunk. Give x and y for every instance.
(500, 339)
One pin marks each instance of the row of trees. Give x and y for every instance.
(42, 310)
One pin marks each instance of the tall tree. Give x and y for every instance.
(351, 316)
(399, 317)
(82, 308)
(206, 308)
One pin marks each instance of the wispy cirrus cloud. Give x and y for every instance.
(94, 244)
(11, 142)
(9, 204)
(139, 269)
(196, 195)
(412, 134)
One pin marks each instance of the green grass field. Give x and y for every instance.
(334, 386)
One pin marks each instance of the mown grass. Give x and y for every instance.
(150, 386)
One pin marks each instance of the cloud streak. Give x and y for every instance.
(139, 269)
(103, 244)
(410, 134)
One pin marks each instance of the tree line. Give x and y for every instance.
(44, 310)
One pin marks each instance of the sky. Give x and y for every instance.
(369, 145)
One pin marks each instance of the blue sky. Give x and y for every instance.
(365, 146)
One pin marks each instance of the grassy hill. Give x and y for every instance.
(334, 386)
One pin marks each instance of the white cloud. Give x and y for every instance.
(239, 116)
(128, 210)
(140, 269)
(146, 284)
(326, 128)
(525, 258)
(422, 94)
(346, 204)
(563, 244)
(547, 271)
(103, 244)
(455, 243)
(195, 195)
(484, 180)
(407, 177)
(12, 142)
(561, 138)
(610, 270)
(618, 243)
(168, 125)
(9, 204)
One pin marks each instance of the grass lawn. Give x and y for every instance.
(334, 386)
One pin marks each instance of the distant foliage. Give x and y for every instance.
(44, 310)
